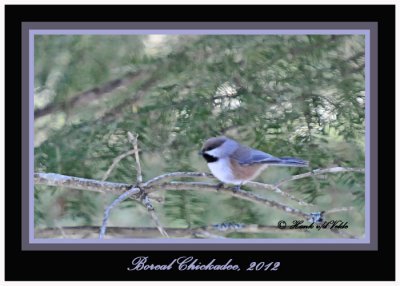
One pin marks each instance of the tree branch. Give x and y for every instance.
(177, 175)
(119, 189)
(268, 187)
(138, 190)
(200, 186)
(91, 94)
(57, 180)
(154, 185)
(134, 191)
(150, 186)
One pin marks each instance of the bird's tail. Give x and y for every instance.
(288, 161)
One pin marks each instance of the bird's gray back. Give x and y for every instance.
(246, 156)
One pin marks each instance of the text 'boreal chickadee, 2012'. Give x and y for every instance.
(141, 263)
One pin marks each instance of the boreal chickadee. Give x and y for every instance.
(233, 163)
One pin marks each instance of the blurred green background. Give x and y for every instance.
(292, 95)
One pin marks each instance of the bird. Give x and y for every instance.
(233, 163)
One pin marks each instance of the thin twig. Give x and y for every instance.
(108, 172)
(156, 198)
(318, 172)
(145, 200)
(336, 210)
(275, 189)
(115, 162)
(136, 151)
(150, 209)
(115, 231)
(61, 230)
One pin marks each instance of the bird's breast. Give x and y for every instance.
(221, 169)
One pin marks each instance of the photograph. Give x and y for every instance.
(199, 136)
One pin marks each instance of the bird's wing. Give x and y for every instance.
(246, 156)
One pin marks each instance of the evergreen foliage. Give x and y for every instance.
(287, 95)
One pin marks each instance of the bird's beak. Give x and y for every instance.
(201, 153)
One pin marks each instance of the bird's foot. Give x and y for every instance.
(219, 186)
(236, 188)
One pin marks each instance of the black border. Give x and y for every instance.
(111, 265)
